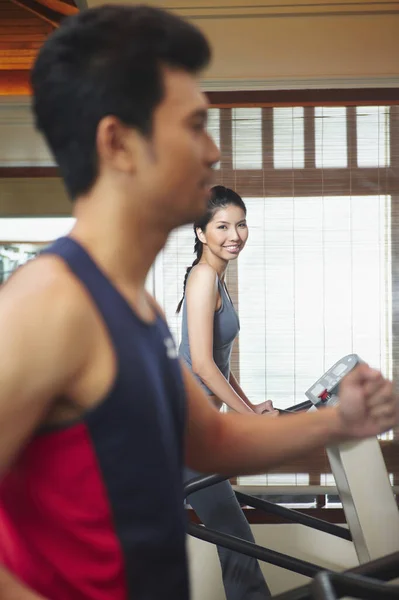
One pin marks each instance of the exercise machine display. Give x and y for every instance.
(361, 476)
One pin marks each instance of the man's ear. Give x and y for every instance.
(117, 144)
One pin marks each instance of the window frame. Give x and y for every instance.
(361, 181)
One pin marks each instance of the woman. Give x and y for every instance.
(209, 327)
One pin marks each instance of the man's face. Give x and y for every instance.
(174, 171)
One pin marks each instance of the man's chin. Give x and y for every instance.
(199, 213)
(192, 212)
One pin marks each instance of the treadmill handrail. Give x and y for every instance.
(382, 569)
(253, 550)
(203, 481)
(334, 586)
(295, 516)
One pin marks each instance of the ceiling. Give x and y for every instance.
(24, 25)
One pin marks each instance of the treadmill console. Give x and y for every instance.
(325, 391)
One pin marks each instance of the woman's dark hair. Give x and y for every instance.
(221, 197)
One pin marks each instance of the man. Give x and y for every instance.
(94, 406)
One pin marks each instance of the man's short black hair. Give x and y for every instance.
(107, 61)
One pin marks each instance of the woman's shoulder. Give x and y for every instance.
(202, 276)
(204, 267)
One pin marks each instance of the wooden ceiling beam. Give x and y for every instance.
(60, 7)
(50, 11)
(40, 11)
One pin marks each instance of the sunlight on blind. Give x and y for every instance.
(34, 229)
(288, 137)
(327, 479)
(247, 138)
(330, 137)
(373, 137)
(304, 291)
(170, 268)
(276, 479)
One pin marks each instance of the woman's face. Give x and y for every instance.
(226, 234)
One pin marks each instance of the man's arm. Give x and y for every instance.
(43, 347)
(240, 444)
(12, 589)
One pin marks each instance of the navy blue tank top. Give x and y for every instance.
(106, 518)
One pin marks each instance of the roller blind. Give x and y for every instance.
(318, 277)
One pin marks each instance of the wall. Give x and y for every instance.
(296, 540)
(22, 146)
(33, 196)
(320, 43)
(291, 44)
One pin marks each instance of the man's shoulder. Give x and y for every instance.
(44, 288)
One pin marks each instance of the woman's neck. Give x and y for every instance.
(216, 263)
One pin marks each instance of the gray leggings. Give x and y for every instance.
(217, 508)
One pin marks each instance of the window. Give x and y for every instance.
(331, 142)
(301, 291)
(373, 136)
(247, 138)
(34, 229)
(289, 139)
(22, 238)
(317, 279)
(169, 269)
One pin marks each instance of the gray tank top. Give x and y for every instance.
(226, 326)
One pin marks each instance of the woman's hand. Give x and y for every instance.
(266, 408)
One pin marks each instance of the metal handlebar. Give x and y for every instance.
(250, 549)
(333, 586)
(381, 569)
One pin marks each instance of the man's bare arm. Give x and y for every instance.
(41, 350)
(43, 346)
(12, 589)
(240, 444)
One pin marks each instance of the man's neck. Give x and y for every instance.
(123, 243)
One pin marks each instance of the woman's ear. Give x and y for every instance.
(201, 235)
